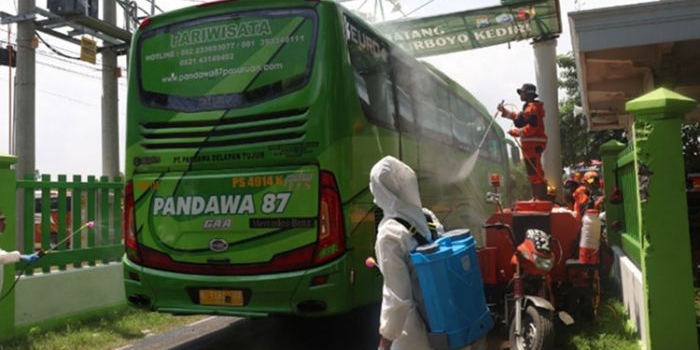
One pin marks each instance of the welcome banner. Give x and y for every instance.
(473, 29)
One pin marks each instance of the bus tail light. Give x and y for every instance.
(331, 232)
(289, 261)
(146, 21)
(131, 246)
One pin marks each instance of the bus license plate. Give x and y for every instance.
(221, 297)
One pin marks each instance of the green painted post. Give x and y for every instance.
(613, 212)
(666, 264)
(7, 242)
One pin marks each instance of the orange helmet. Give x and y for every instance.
(590, 177)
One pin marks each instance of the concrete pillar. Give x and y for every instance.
(110, 98)
(7, 242)
(547, 88)
(665, 256)
(25, 98)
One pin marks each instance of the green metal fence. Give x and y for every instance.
(651, 223)
(57, 217)
(630, 236)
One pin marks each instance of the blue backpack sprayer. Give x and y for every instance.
(454, 305)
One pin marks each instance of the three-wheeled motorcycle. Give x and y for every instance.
(533, 275)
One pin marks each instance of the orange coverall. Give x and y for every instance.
(533, 140)
(582, 198)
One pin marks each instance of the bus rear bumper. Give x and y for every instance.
(319, 291)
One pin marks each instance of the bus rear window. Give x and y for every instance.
(226, 61)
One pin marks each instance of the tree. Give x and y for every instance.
(581, 145)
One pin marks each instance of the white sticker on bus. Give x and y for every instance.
(219, 204)
(197, 205)
(221, 32)
(219, 72)
(275, 202)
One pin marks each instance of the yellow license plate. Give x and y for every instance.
(221, 297)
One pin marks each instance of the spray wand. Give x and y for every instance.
(89, 224)
(42, 252)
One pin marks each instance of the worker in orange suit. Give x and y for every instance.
(570, 186)
(588, 195)
(529, 127)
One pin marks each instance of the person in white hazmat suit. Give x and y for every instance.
(395, 189)
(13, 256)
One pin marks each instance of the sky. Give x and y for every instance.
(68, 92)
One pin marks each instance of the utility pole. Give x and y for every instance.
(110, 97)
(25, 93)
(81, 17)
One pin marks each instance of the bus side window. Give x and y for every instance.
(514, 153)
(460, 133)
(493, 147)
(424, 103)
(433, 121)
(373, 85)
(477, 127)
(361, 88)
(404, 88)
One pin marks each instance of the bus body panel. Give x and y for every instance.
(264, 295)
(253, 215)
(332, 116)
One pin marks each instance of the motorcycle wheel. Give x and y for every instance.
(537, 330)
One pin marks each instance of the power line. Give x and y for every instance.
(69, 70)
(418, 8)
(54, 50)
(62, 96)
(56, 55)
(99, 78)
(75, 63)
(394, 2)
(69, 98)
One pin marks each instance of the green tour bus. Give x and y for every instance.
(251, 130)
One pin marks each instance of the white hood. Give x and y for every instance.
(395, 189)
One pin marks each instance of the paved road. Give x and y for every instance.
(355, 331)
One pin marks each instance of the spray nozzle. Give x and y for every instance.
(500, 108)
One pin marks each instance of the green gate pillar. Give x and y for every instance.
(665, 258)
(7, 242)
(613, 212)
